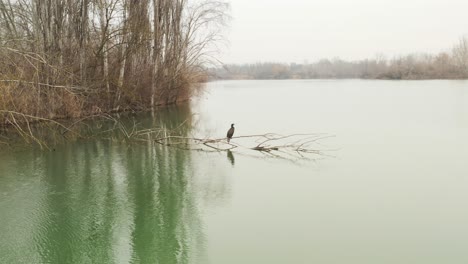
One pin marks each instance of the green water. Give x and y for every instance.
(392, 188)
(100, 202)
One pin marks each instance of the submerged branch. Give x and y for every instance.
(299, 146)
(274, 145)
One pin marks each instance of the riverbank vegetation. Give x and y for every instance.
(445, 65)
(75, 58)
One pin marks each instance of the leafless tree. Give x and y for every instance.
(460, 55)
(66, 58)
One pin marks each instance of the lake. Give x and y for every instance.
(390, 187)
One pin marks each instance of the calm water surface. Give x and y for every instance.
(393, 190)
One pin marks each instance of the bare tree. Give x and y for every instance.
(64, 58)
(460, 55)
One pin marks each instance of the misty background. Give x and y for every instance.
(305, 31)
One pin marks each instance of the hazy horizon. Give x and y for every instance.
(298, 31)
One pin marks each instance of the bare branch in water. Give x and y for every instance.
(23, 126)
(294, 146)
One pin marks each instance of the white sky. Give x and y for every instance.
(300, 30)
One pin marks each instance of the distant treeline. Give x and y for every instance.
(445, 65)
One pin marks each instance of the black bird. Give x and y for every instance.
(230, 133)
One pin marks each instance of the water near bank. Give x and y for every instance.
(394, 192)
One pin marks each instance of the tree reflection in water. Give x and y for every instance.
(102, 202)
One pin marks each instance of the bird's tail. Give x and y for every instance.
(228, 139)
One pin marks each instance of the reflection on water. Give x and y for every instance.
(230, 157)
(396, 191)
(102, 202)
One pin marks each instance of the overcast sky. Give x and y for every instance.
(300, 30)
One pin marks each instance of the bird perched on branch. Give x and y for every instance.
(230, 133)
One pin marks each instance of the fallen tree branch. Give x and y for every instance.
(298, 146)
(24, 127)
(70, 88)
